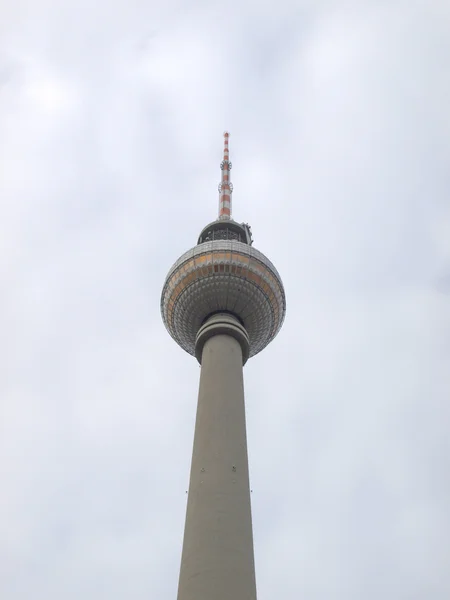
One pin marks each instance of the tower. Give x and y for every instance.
(223, 302)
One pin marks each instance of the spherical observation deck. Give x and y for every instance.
(223, 273)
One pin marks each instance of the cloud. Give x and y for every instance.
(111, 121)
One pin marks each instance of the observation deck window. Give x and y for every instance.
(222, 234)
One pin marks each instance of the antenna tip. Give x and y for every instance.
(226, 134)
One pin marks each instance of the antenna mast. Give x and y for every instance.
(225, 186)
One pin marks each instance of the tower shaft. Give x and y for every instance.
(217, 559)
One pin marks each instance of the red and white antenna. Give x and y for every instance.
(225, 186)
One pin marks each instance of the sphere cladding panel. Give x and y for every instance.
(223, 275)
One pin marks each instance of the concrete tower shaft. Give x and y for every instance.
(217, 560)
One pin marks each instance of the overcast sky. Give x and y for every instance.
(111, 122)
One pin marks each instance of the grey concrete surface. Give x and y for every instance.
(217, 559)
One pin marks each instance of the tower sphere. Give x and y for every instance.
(223, 273)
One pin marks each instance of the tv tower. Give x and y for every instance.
(223, 302)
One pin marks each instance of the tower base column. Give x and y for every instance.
(217, 559)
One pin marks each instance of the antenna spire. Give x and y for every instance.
(225, 186)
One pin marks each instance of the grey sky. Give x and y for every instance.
(111, 117)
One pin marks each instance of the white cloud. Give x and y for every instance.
(111, 122)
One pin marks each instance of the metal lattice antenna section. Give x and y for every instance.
(225, 186)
